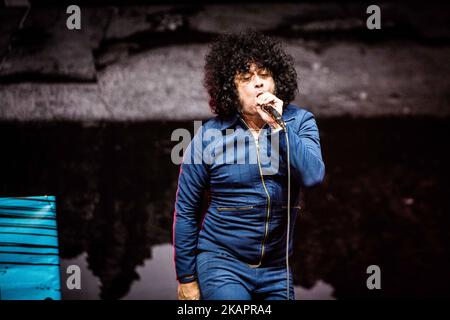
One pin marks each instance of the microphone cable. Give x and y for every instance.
(288, 214)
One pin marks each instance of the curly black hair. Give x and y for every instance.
(233, 53)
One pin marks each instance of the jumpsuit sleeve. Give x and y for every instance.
(305, 151)
(192, 181)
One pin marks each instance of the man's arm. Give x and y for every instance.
(192, 181)
(305, 151)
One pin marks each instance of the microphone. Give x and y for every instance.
(274, 114)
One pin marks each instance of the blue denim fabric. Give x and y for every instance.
(247, 212)
(222, 277)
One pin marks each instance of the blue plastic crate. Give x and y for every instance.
(29, 256)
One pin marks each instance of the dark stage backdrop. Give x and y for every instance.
(87, 116)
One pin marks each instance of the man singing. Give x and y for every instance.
(237, 249)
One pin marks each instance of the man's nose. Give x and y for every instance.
(258, 82)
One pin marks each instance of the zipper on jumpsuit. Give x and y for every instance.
(266, 227)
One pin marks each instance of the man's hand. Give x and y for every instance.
(188, 291)
(270, 99)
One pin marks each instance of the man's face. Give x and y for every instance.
(250, 84)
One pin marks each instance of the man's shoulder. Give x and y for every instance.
(220, 123)
(294, 111)
(214, 122)
(207, 126)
